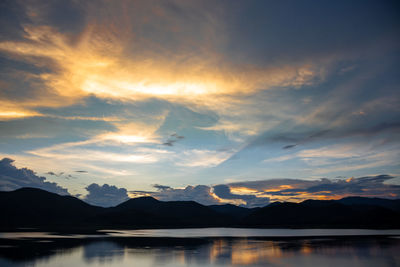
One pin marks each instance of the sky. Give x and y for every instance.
(242, 102)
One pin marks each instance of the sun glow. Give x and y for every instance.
(109, 86)
(97, 63)
(127, 138)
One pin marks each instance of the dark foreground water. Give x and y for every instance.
(203, 247)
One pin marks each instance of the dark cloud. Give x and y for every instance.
(81, 171)
(362, 186)
(298, 137)
(289, 146)
(12, 178)
(177, 136)
(12, 17)
(66, 16)
(105, 195)
(61, 175)
(199, 193)
(224, 192)
(169, 143)
(264, 32)
(55, 174)
(161, 187)
(173, 138)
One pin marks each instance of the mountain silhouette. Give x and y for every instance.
(380, 202)
(347, 212)
(149, 212)
(233, 211)
(32, 207)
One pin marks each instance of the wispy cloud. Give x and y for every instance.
(96, 62)
(355, 156)
(202, 158)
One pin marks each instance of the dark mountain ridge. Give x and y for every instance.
(233, 211)
(31, 207)
(150, 212)
(36, 207)
(364, 213)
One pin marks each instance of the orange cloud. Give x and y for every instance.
(109, 61)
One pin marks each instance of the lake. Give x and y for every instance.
(204, 247)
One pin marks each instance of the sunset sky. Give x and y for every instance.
(244, 102)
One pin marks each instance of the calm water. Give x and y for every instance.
(204, 247)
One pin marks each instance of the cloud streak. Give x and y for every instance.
(299, 190)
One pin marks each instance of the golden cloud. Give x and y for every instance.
(101, 61)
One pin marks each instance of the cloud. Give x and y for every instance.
(12, 178)
(125, 63)
(105, 195)
(97, 155)
(202, 158)
(161, 187)
(55, 174)
(69, 176)
(392, 128)
(224, 192)
(289, 146)
(298, 137)
(173, 138)
(121, 145)
(300, 189)
(259, 193)
(199, 193)
(203, 194)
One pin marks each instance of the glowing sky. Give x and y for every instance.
(140, 94)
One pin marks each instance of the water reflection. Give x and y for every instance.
(246, 232)
(356, 251)
(102, 252)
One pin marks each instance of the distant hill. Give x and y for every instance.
(380, 202)
(31, 207)
(344, 213)
(149, 212)
(233, 211)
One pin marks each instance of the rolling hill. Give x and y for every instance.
(32, 207)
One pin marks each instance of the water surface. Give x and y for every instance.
(204, 247)
(248, 232)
